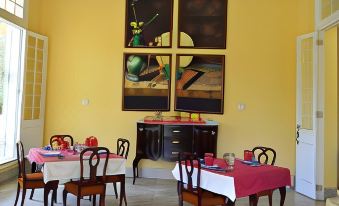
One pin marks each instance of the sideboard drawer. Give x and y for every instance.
(173, 145)
(177, 130)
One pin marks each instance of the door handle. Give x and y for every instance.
(297, 135)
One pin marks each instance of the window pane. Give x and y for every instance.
(325, 8)
(20, 2)
(2, 4)
(10, 6)
(335, 5)
(19, 11)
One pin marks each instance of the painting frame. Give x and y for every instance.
(148, 89)
(158, 33)
(203, 24)
(199, 83)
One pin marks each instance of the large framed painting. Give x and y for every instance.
(148, 23)
(146, 82)
(199, 83)
(202, 24)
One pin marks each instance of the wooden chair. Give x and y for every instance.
(66, 137)
(264, 155)
(94, 185)
(122, 150)
(31, 181)
(190, 192)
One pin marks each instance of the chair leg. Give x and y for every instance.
(94, 199)
(115, 190)
(17, 194)
(64, 197)
(102, 200)
(78, 201)
(23, 196)
(54, 196)
(270, 199)
(32, 193)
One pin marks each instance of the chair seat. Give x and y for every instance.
(84, 189)
(34, 180)
(207, 198)
(113, 178)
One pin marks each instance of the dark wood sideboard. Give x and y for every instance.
(165, 141)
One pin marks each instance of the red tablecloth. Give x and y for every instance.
(249, 180)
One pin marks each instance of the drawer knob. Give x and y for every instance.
(176, 142)
(176, 131)
(175, 153)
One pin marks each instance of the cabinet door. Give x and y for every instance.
(149, 141)
(177, 138)
(205, 140)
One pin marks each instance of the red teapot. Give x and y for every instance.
(91, 141)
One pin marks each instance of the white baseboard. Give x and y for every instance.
(151, 173)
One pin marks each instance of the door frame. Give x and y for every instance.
(321, 27)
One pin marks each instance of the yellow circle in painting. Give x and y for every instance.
(185, 40)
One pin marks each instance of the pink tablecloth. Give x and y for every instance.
(250, 180)
(69, 166)
(36, 155)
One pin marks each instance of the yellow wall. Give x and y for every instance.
(85, 61)
(331, 105)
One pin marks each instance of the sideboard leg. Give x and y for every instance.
(135, 168)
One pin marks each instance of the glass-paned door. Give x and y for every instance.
(34, 90)
(11, 67)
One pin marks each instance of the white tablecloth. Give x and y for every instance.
(66, 170)
(217, 183)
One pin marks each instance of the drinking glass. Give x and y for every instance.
(229, 158)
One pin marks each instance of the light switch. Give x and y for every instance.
(85, 102)
(241, 106)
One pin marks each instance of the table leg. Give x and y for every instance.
(282, 191)
(51, 185)
(253, 200)
(230, 203)
(135, 167)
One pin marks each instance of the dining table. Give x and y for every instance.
(244, 180)
(64, 165)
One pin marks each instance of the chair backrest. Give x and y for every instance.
(21, 160)
(189, 162)
(93, 156)
(264, 155)
(122, 147)
(65, 137)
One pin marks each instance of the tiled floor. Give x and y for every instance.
(150, 192)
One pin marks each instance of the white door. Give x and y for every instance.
(34, 91)
(306, 115)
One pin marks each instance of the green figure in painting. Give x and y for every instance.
(138, 39)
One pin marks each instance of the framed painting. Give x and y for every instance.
(199, 83)
(148, 23)
(146, 82)
(202, 24)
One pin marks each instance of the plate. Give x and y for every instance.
(213, 167)
(51, 154)
(252, 164)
